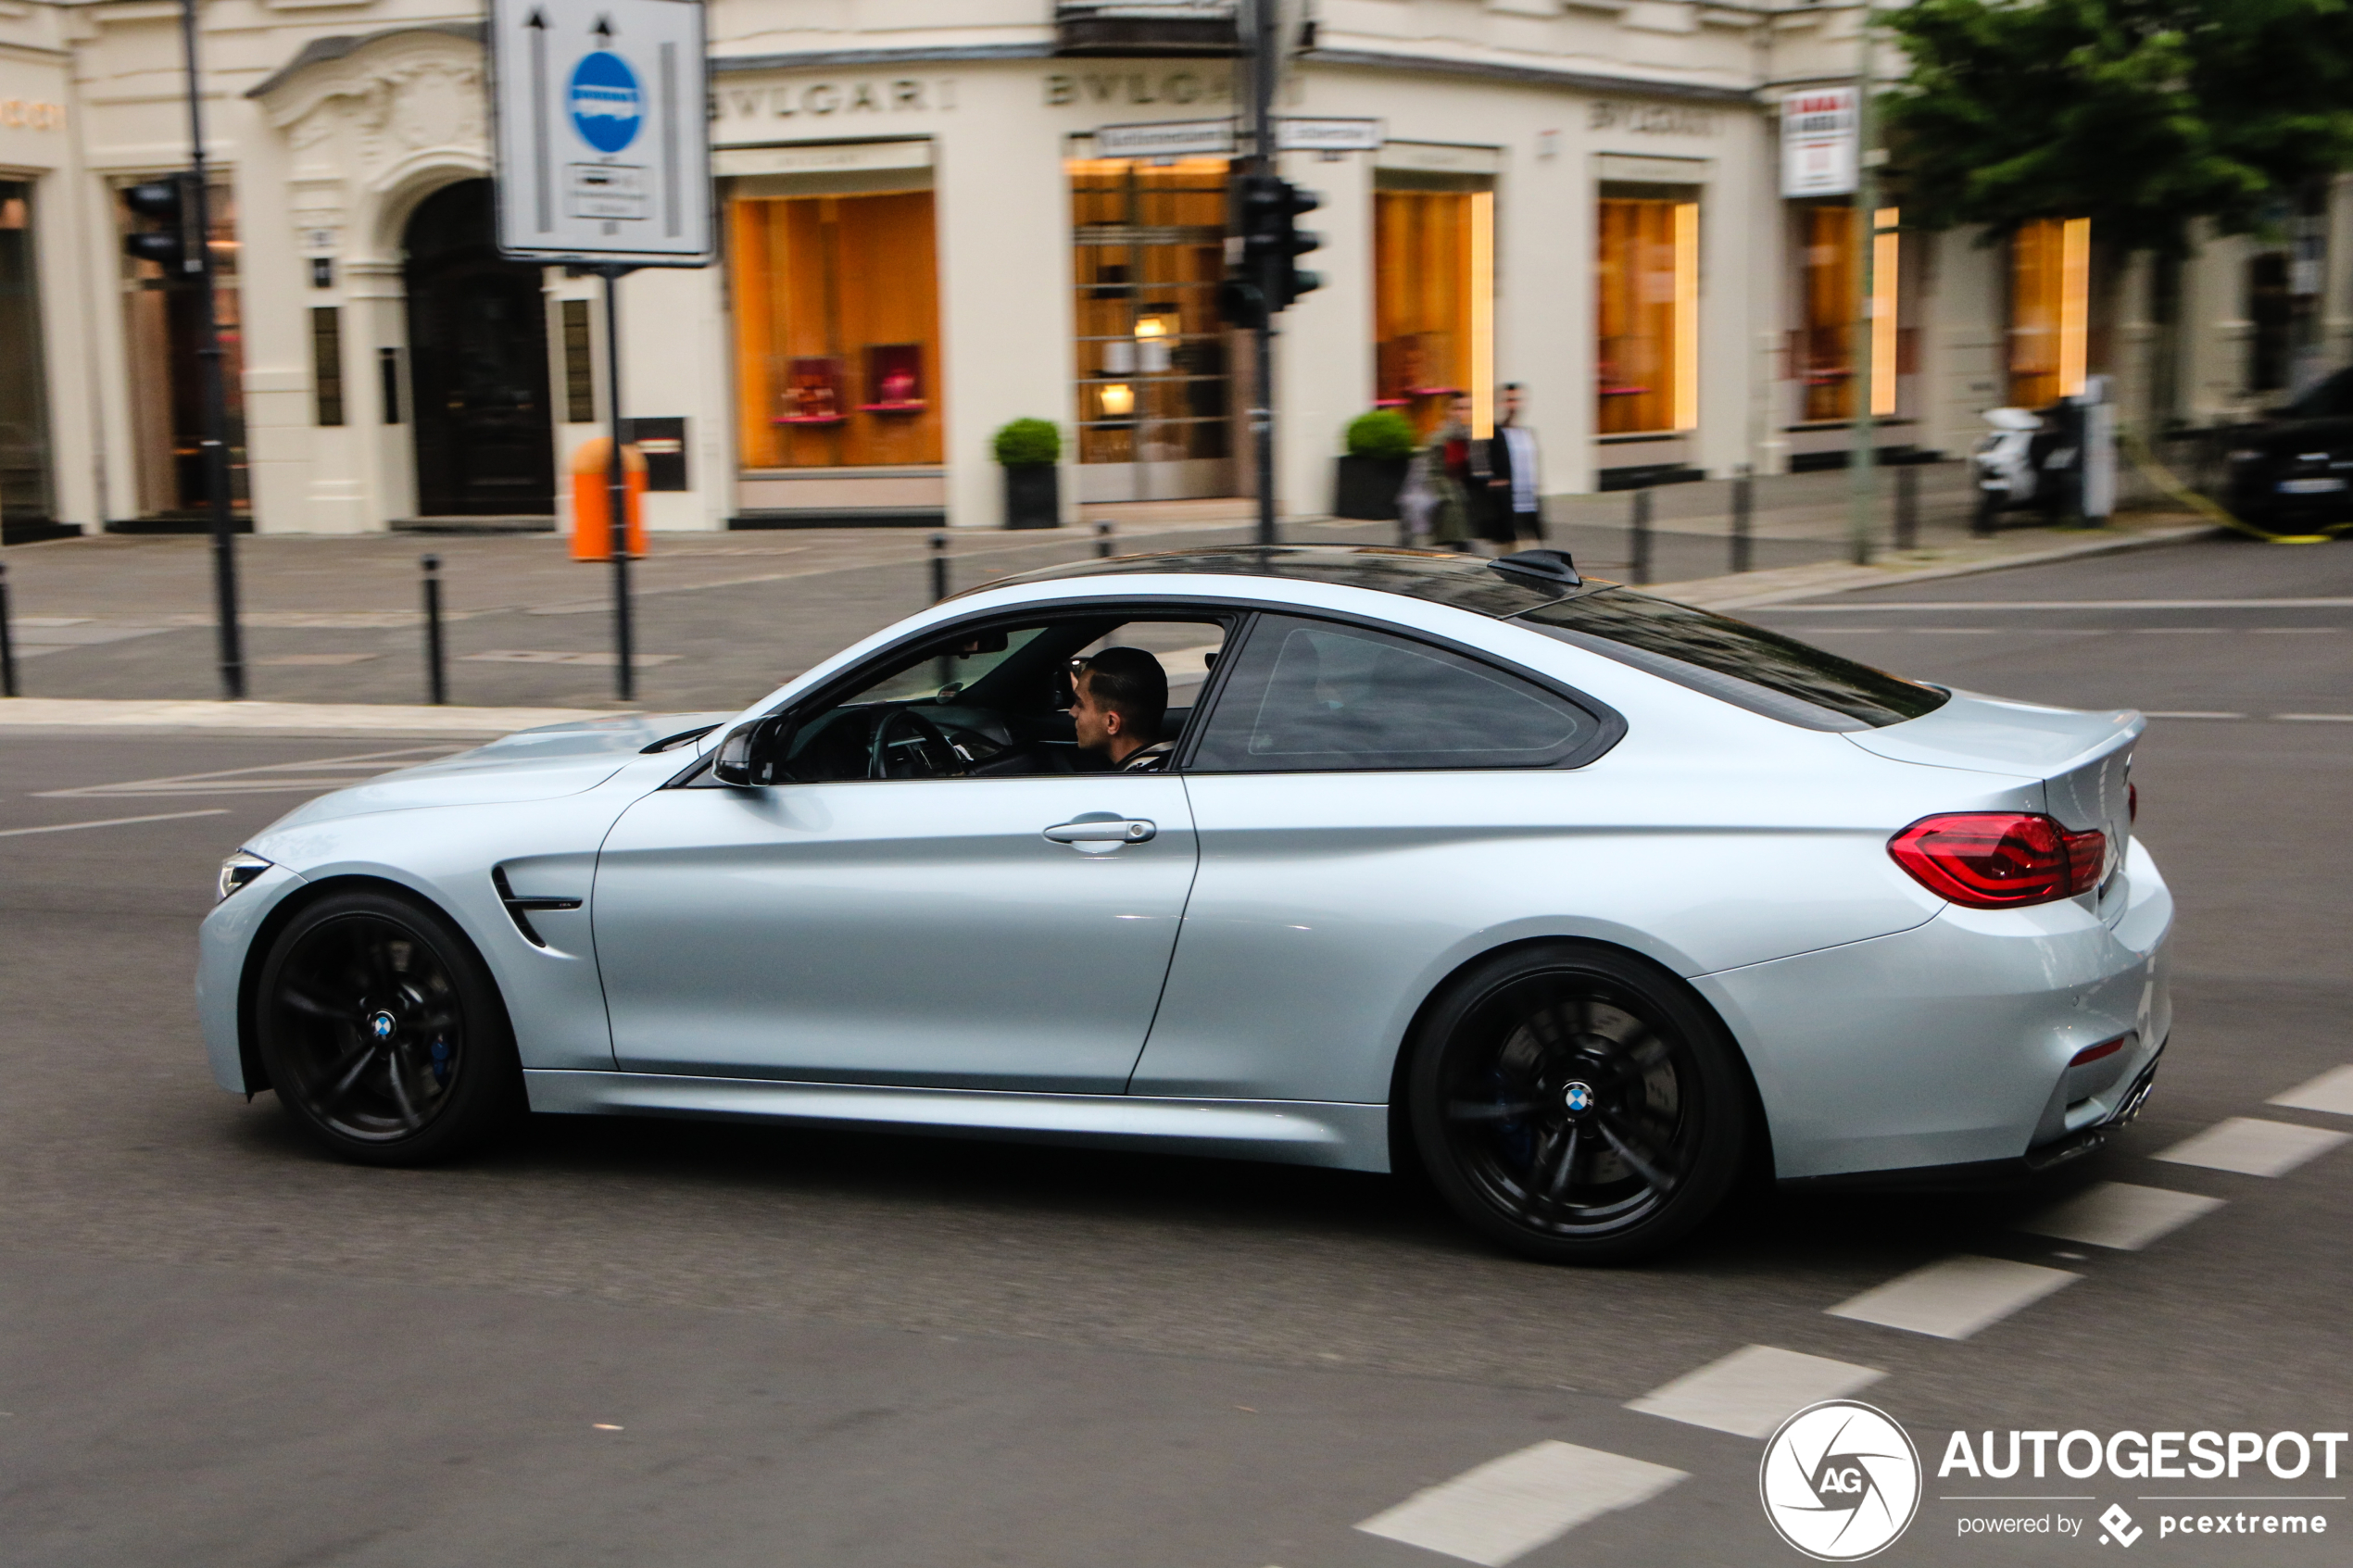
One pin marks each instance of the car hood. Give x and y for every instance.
(528, 765)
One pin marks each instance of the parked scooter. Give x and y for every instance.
(2022, 461)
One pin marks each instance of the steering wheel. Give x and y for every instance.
(921, 752)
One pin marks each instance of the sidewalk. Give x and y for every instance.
(115, 632)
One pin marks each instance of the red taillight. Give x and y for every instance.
(1999, 860)
(2131, 803)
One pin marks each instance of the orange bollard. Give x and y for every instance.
(592, 500)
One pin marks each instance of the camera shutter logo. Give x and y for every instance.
(607, 107)
(1840, 1481)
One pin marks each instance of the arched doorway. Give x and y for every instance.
(477, 365)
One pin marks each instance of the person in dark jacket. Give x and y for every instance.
(1514, 514)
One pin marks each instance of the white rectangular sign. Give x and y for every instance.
(1818, 143)
(1166, 138)
(600, 131)
(1328, 135)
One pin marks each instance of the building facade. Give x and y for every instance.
(923, 236)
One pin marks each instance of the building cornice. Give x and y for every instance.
(320, 51)
(832, 59)
(1529, 76)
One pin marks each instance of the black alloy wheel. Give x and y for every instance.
(1577, 1105)
(382, 1032)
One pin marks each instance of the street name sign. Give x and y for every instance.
(1297, 135)
(1166, 138)
(601, 132)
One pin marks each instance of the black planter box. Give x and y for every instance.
(1033, 496)
(1368, 487)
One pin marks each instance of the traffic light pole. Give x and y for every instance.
(617, 490)
(213, 388)
(1266, 46)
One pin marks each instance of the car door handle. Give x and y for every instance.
(1103, 830)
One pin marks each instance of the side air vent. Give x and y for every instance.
(520, 910)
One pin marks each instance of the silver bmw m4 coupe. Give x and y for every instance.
(1585, 903)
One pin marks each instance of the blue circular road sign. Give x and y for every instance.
(607, 106)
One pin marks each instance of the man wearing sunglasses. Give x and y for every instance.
(1119, 698)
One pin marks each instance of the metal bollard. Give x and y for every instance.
(939, 566)
(7, 642)
(1743, 519)
(436, 668)
(1639, 563)
(1907, 507)
(1103, 550)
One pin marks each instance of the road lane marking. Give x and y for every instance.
(1510, 1506)
(1954, 1298)
(315, 777)
(1753, 1390)
(2118, 1215)
(2254, 1147)
(551, 656)
(2331, 1092)
(2315, 718)
(114, 822)
(2187, 714)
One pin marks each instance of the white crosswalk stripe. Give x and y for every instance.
(1753, 1389)
(2254, 1147)
(1508, 1507)
(1955, 1298)
(2118, 1215)
(2331, 1092)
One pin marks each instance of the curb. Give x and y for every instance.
(1782, 584)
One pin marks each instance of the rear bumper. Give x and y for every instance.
(1950, 1044)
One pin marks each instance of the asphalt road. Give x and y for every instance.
(641, 1343)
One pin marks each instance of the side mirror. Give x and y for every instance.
(748, 757)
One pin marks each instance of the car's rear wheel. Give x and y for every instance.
(382, 1032)
(1575, 1104)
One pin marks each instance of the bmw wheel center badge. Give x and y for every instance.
(1840, 1481)
(607, 106)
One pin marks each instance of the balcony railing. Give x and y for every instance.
(1156, 28)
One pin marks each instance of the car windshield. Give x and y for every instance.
(1747, 666)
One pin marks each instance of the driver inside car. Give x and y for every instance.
(1119, 697)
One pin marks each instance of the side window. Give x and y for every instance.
(1312, 696)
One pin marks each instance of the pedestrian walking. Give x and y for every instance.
(1446, 474)
(1514, 514)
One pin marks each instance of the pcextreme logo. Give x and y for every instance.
(1840, 1481)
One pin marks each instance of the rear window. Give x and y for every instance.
(1735, 663)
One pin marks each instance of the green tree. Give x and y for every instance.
(2141, 115)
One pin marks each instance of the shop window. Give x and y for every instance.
(837, 329)
(1647, 289)
(1434, 294)
(1822, 355)
(2050, 309)
(167, 382)
(326, 364)
(1155, 392)
(24, 402)
(580, 371)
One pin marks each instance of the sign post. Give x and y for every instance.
(602, 149)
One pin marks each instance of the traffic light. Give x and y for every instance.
(170, 241)
(1269, 278)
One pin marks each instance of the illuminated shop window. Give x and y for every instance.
(1822, 351)
(1155, 391)
(2050, 309)
(1434, 296)
(1647, 294)
(837, 330)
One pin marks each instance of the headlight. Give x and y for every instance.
(2246, 455)
(239, 869)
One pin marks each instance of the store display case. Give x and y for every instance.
(893, 379)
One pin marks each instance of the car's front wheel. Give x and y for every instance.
(382, 1031)
(1577, 1105)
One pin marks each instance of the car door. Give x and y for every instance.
(1008, 932)
(1366, 801)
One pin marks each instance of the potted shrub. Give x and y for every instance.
(1380, 444)
(1029, 449)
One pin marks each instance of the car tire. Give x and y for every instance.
(1575, 1104)
(383, 1032)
